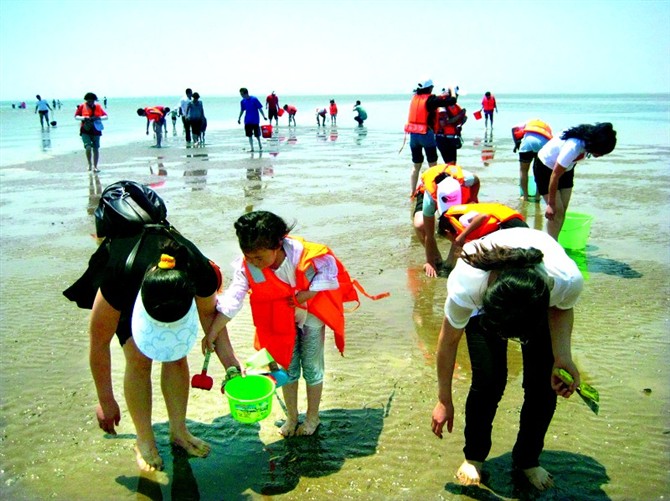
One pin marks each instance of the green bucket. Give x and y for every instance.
(575, 231)
(250, 397)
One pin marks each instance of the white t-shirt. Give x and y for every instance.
(231, 301)
(565, 152)
(466, 285)
(183, 104)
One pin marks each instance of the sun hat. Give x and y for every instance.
(164, 341)
(448, 194)
(426, 83)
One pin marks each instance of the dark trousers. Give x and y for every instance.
(488, 354)
(187, 128)
(448, 147)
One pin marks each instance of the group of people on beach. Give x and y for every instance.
(505, 282)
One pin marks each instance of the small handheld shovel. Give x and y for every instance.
(588, 393)
(202, 380)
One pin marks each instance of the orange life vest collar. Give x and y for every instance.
(535, 125)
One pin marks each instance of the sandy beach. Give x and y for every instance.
(347, 188)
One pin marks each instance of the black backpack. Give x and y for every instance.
(125, 207)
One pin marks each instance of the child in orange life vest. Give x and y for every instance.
(292, 110)
(333, 112)
(155, 114)
(440, 187)
(295, 293)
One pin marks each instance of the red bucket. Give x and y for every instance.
(477, 115)
(266, 131)
(280, 111)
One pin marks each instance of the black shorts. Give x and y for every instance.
(418, 206)
(542, 175)
(527, 156)
(417, 154)
(272, 114)
(254, 129)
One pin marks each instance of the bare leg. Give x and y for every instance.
(88, 158)
(175, 386)
(312, 417)
(414, 178)
(418, 227)
(290, 392)
(251, 143)
(260, 146)
(523, 179)
(96, 157)
(137, 389)
(562, 200)
(470, 473)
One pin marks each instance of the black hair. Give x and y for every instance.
(487, 94)
(261, 230)
(167, 294)
(599, 139)
(515, 304)
(196, 95)
(89, 96)
(244, 90)
(141, 112)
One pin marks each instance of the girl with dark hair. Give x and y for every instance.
(154, 292)
(297, 288)
(554, 167)
(516, 283)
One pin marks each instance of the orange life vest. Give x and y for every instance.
(417, 123)
(444, 114)
(273, 315)
(155, 113)
(84, 111)
(429, 185)
(333, 109)
(498, 213)
(535, 125)
(489, 103)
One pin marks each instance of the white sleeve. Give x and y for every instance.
(326, 274)
(569, 152)
(231, 301)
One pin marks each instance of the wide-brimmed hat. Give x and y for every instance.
(426, 83)
(164, 341)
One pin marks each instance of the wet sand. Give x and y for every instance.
(346, 188)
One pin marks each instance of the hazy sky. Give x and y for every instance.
(65, 48)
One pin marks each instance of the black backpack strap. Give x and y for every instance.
(163, 228)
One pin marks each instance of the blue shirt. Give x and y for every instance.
(251, 105)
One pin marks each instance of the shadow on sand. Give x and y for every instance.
(575, 476)
(240, 462)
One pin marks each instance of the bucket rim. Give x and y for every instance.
(249, 400)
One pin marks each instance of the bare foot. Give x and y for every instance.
(308, 427)
(148, 458)
(539, 477)
(192, 445)
(288, 428)
(470, 473)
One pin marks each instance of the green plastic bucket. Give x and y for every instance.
(250, 397)
(575, 231)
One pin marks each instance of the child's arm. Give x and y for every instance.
(218, 340)
(476, 222)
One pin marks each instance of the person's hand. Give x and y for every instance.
(430, 269)
(238, 121)
(108, 414)
(442, 414)
(549, 213)
(147, 132)
(561, 387)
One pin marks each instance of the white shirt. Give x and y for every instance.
(561, 151)
(183, 104)
(466, 284)
(231, 301)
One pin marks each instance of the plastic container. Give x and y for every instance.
(575, 231)
(532, 187)
(477, 114)
(280, 112)
(250, 397)
(266, 131)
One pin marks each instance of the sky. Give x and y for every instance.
(62, 49)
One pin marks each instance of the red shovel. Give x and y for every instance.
(202, 380)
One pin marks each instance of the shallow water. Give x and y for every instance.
(348, 189)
